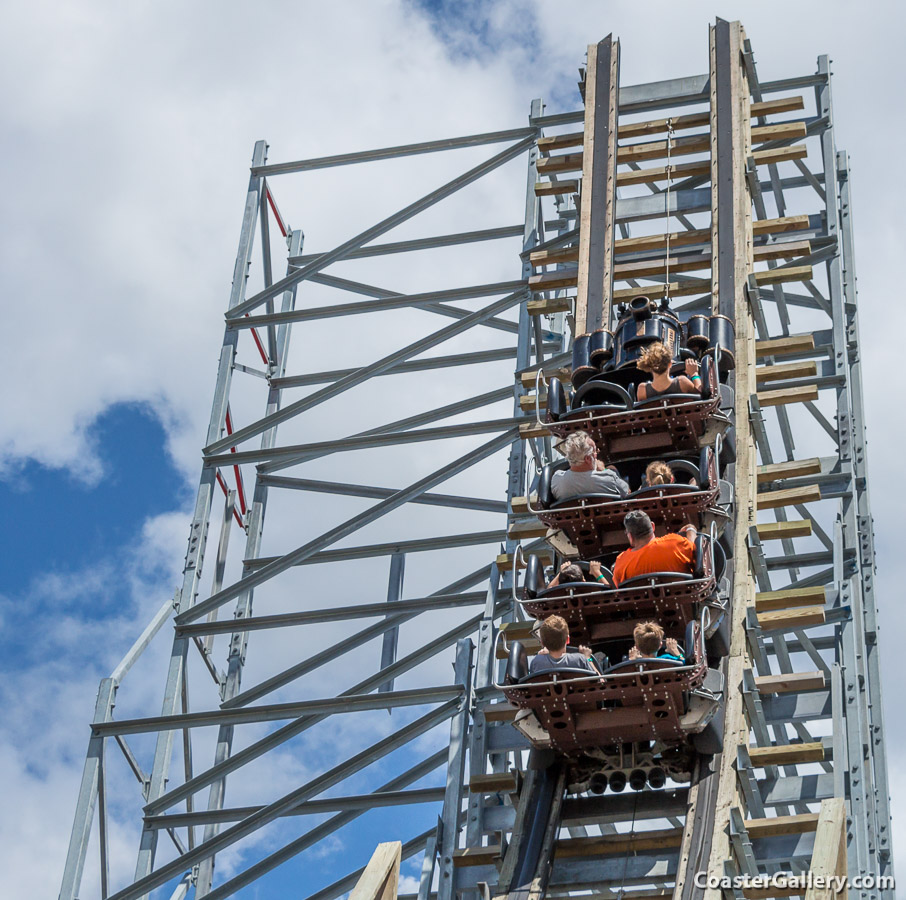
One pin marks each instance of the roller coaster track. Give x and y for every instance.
(689, 183)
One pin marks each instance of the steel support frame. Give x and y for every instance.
(477, 744)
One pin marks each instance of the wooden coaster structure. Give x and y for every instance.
(686, 187)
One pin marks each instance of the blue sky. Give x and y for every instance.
(135, 126)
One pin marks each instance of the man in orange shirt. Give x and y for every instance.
(647, 553)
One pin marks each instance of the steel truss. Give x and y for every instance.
(822, 663)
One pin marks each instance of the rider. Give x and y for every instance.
(647, 553)
(554, 636)
(657, 359)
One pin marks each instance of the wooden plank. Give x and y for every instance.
(476, 856)
(552, 281)
(554, 188)
(494, 783)
(805, 368)
(380, 880)
(608, 844)
(531, 430)
(528, 378)
(781, 531)
(552, 257)
(505, 560)
(500, 712)
(768, 600)
(792, 468)
(782, 250)
(698, 143)
(792, 618)
(519, 506)
(532, 646)
(782, 276)
(563, 162)
(656, 291)
(527, 401)
(829, 852)
(780, 154)
(779, 131)
(778, 226)
(804, 823)
(802, 393)
(787, 754)
(703, 235)
(548, 306)
(781, 346)
(662, 173)
(560, 141)
(527, 528)
(789, 496)
(656, 266)
(518, 631)
(791, 683)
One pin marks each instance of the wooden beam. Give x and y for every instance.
(527, 379)
(505, 560)
(703, 235)
(532, 646)
(495, 783)
(518, 631)
(829, 852)
(551, 305)
(787, 754)
(789, 496)
(662, 173)
(781, 346)
(500, 712)
(519, 506)
(792, 468)
(380, 880)
(531, 430)
(805, 368)
(768, 600)
(791, 683)
(527, 528)
(804, 823)
(597, 213)
(792, 618)
(802, 393)
(780, 131)
(555, 188)
(731, 251)
(476, 856)
(608, 844)
(781, 276)
(781, 531)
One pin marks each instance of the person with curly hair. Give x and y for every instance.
(656, 359)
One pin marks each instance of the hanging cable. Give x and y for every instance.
(669, 171)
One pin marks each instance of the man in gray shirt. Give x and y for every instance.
(586, 473)
(554, 635)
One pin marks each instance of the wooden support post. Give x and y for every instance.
(381, 877)
(731, 254)
(599, 179)
(829, 853)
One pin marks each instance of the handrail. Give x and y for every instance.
(518, 556)
(539, 379)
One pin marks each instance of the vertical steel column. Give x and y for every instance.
(456, 761)
(239, 639)
(391, 637)
(198, 531)
(878, 750)
(862, 822)
(533, 233)
(88, 792)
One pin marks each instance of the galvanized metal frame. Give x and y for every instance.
(845, 648)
